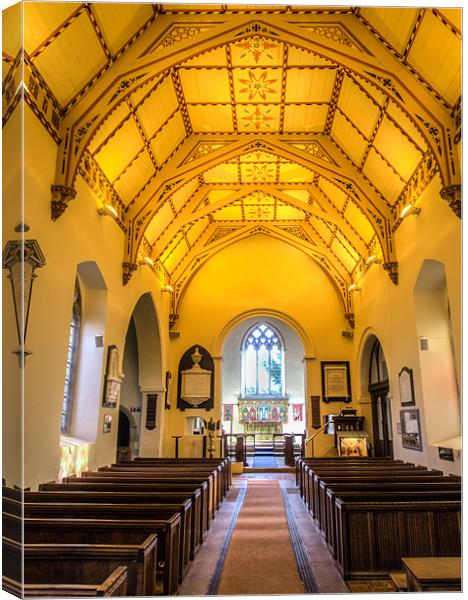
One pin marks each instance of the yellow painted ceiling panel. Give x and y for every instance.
(264, 212)
(258, 117)
(159, 222)
(211, 118)
(181, 196)
(257, 85)
(382, 176)
(71, 61)
(309, 85)
(322, 229)
(343, 255)
(205, 85)
(346, 245)
(258, 156)
(224, 173)
(258, 172)
(176, 256)
(395, 24)
(305, 118)
(119, 22)
(135, 177)
(196, 230)
(289, 213)
(372, 90)
(144, 89)
(358, 107)
(229, 213)
(359, 221)
(454, 16)
(167, 140)
(120, 149)
(213, 58)
(294, 172)
(302, 195)
(333, 192)
(436, 54)
(259, 198)
(350, 140)
(12, 31)
(301, 58)
(256, 51)
(394, 111)
(158, 107)
(41, 19)
(114, 120)
(215, 195)
(397, 149)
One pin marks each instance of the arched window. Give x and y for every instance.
(263, 364)
(72, 360)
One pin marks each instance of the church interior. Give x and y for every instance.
(232, 315)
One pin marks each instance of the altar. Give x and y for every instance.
(263, 417)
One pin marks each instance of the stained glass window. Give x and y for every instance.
(262, 353)
(72, 361)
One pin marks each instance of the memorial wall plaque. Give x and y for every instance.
(196, 385)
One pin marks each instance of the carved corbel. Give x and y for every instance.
(128, 269)
(453, 195)
(350, 318)
(61, 196)
(392, 270)
(173, 320)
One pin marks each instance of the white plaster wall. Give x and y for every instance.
(294, 370)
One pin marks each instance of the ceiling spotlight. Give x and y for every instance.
(147, 261)
(373, 260)
(108, 210)
(167, 288)
(409, 209)
(354, 288)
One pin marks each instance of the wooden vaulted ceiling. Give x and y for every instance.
(200, 134)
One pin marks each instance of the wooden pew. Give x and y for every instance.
(93, 510)
(225, 464)
(114, 585)
(138, 477)
(176, 473)
(433, 574)
(373, 536)
(190, 512)
(377, 497)
(198, 493)
(330, 489)
(101, 530)
(82, 563)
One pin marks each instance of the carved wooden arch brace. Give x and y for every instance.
(85, 118)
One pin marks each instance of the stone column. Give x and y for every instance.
(152, 426)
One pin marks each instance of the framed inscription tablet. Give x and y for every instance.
(196, 381)
(336, 382)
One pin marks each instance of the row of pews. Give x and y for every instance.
(127, 529)
(374, 511)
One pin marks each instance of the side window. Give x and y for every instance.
(72, 360)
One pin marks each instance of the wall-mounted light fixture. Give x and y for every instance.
(22, 258)
(409, 209)
(373, 260)
(354, 288)
(107, 210)
(167, 288)
(147, 261)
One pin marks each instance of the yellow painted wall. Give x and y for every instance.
(254, 274)
(388, 310)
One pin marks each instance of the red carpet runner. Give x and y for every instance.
(260, 557)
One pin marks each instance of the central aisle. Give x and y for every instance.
(260, 558)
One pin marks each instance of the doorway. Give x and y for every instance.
(380, 402)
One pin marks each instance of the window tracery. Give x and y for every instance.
(72, 360)
(263, 362)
